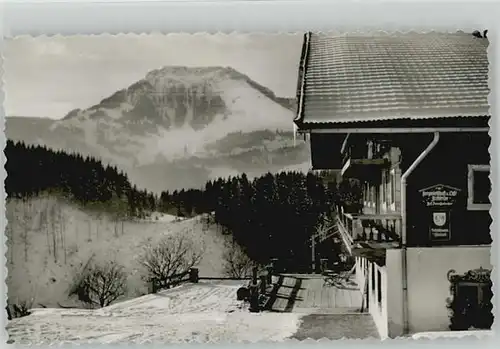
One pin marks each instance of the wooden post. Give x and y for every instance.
(274, 264)
(324, 264)
(9, 314)
(254, 275)
(254, 292)
(269, 274)
(254, 299)
(263, 284)
(357, 229)
(193, 275)
(152, 286)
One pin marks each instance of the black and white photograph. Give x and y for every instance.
(223, 188)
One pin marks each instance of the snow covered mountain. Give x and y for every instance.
(178, 127)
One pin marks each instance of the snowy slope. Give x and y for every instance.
(204, 312)
(42, 274)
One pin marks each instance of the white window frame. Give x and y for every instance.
(471, 206)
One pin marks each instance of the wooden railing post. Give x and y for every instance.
(193, 275)
(9, 314)
(372, 227)
(269, 274)
(357, 228)
(153, 286)
(254, 292)
(263, 284)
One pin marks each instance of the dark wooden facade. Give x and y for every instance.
(446, 164)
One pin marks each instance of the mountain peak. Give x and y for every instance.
(193, 75)
(178, 96)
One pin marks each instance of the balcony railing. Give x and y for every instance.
(360, 152)
(371, 227)
(363, 168)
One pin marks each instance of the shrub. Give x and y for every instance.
(100, 284)
(236, 262)
(169, 259)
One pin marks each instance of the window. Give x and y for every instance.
(479, 187)
(471, 300)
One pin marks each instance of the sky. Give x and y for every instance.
(50, 76)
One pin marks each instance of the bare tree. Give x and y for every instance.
(90, 228)
(24, 220)
(19, 310)
(61, 219)
(171, 256)
(44, 225)
(10, 213)
(236, 262)
(52, 213)
(324, 226)
(118, 214)
(100, 284)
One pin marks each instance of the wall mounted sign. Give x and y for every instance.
(440, 228)
(439, 199)
(439, 195)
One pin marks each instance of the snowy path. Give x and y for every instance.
(204, 312)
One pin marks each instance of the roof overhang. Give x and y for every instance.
(394, 130)
(444, 124)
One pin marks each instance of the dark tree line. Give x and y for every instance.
(32, 170)
(272, 216)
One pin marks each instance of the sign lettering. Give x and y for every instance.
(439, 195)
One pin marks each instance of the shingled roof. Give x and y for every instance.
(353, 78)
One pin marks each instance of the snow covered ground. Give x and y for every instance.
(204, 312)
(50, 240)
(453, 334)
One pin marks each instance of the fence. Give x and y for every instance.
(192, 275)
(258, 285)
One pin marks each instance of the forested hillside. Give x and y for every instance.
(32, 170)
(272, 216)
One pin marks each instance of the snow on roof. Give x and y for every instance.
(353, 78)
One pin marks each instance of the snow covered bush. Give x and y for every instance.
(236, 262)
(18, 310)
(169, 259)
(100, 284)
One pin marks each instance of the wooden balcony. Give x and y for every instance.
(369, 235)
(364, 168)
(362, 163)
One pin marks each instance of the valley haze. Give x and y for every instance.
(205, 120)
